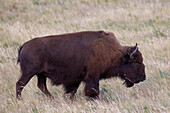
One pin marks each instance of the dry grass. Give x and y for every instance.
(146, 22)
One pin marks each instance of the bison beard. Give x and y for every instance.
(128, 82)
(70, 59)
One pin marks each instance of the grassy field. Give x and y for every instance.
(146, 22)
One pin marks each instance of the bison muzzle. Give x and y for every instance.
(72, 58)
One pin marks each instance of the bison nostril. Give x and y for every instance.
(143, 78)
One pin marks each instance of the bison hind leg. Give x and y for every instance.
(24, 79)
(42, 85)
(72, 89)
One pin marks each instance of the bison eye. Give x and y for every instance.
(134, 57)
(137, 66)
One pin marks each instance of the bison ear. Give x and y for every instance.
(126, 57)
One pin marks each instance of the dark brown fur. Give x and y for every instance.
(69, 59)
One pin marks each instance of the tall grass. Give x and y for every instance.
(146, 22)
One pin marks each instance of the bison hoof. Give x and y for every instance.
(92, 93)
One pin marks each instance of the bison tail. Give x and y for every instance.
(18, 59)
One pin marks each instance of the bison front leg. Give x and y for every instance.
(42, 85)
(91, 87)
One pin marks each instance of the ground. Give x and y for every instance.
(146, 22)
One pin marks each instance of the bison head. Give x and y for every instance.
(133, 69)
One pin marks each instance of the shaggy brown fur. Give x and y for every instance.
(69, 59)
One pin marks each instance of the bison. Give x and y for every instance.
(72, 58)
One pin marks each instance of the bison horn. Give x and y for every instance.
(131, 55)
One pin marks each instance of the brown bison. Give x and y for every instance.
(69, 59)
